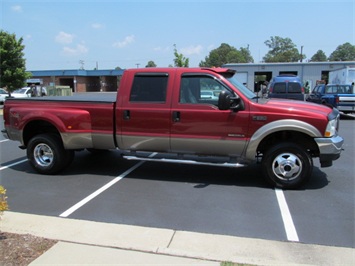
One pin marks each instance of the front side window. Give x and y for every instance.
(149, 88)
(315, 90)
(199, 90)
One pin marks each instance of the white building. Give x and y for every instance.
(252, 75)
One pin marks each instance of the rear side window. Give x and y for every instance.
(294, 87)
(331, 89)
(149, 88)
(279, 87)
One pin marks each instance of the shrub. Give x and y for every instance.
(3, 202)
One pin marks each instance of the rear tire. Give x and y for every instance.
(287, 166)
(47, 155)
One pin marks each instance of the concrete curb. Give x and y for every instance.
(64, 253)
(180, 244)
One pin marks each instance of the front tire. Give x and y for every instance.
(47, 155)
(287, 166)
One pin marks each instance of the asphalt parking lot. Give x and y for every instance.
(236, 202)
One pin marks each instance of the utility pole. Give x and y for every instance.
(81, 62)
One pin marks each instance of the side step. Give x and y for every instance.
(166, 160)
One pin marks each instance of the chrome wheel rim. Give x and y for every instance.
(287, 166)
(43, 155)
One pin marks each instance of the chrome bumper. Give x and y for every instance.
(329, 149)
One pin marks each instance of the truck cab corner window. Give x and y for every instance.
(149, 88)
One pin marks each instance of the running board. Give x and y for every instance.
(165, 160)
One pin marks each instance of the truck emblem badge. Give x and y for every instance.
(259, 118)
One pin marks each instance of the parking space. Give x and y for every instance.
(181, 197)
(324, 213)
(203, 199)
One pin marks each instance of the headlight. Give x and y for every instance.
(332, 127)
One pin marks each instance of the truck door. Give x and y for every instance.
(198, 126)
(144, 113)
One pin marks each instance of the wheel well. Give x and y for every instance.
(38, 127)
(299, 138)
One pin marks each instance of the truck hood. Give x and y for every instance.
(298, 107)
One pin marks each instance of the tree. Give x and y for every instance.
(151, 64)
(180, 60)
(12, 64)
(319, 56)
(282, 50)
(226, 54)
(247, 58)
(344, 52)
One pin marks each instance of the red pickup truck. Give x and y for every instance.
(160, 114)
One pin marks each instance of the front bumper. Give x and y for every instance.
(329, 149)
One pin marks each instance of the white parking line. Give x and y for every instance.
(99, 191)
(8, 166)
(286, 216)
(4, 140)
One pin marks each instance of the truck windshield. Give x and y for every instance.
(241, 87)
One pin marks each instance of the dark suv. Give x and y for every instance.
(286, 86)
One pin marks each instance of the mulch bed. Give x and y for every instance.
(17, 249)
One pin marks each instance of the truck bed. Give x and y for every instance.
(85, 119)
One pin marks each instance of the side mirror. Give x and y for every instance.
(227, 101)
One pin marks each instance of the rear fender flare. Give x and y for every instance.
(74, 126)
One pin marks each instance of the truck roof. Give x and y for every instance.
(219, 70)
(287, 78)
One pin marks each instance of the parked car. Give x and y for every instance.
(340, 96)
(208, 95)
(286, 86)
(3, 95)
(21, 93)
(28, 92)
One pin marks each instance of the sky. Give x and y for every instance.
(105, 34)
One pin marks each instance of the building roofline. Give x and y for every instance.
(347, 63)
(76, 72)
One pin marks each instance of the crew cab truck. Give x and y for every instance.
(341, 97)
(158, 114)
